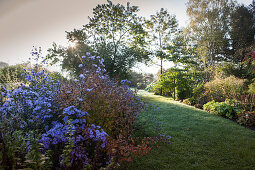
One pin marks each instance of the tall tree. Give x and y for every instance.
(116, 33)
(162, 26)
(182, 50)
(209, 22)
(242, 32)
(70, 57)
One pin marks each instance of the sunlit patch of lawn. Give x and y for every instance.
(199, 140)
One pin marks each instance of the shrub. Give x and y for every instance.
(246, 118)
(199, 96)
(189, 101)
(226, 109)
(11, 77)
(221, 89)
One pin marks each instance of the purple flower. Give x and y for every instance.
(81, 76)
(65, 119)
(89, 90)
(83, 56)
(87, 53)
(125, 82)
(80, 65)
(92, 57)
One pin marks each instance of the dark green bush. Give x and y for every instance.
(227, 109)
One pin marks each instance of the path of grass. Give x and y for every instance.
(199, 140)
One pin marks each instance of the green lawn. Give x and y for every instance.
(199, 140)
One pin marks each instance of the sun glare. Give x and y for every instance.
(71, 44)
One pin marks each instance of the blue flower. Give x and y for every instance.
(81, 76)
(65, 119)
(92, 57)
(123, 82)
(80, 65)
(89, 90)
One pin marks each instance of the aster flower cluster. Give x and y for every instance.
(87, 121)
(33, 108)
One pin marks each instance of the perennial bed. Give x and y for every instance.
(85, 122)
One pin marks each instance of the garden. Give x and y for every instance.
(99, 113)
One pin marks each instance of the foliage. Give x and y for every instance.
(209, 22)
(227, 109)
(162, 27)
(57, 76)
(189, 101)
(140, 80)
(115, 32)
(246, 118)
(252, 88)
(35, 111)
(182, 51)
(3, 64)
(150, 87)
(12, 74)
(176, 83)
(242, 32)
(220, 89)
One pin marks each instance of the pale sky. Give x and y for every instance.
(28, 23)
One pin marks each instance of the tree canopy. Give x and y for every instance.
(115, 32)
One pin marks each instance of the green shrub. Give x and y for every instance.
(246, 118)
(199, 96)
(227, 109)
(10, 76)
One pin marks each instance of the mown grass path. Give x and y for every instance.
(199, 140)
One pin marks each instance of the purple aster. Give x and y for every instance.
(90, 89)
(81, 76)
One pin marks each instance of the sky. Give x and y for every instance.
(39, 23)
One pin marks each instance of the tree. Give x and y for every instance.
(182, 51)
(242, 32)
(3, 64)
(70, 57)
(115, 33)
(118, 35)
(162, 26)
(209, 23)
(177, 82)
